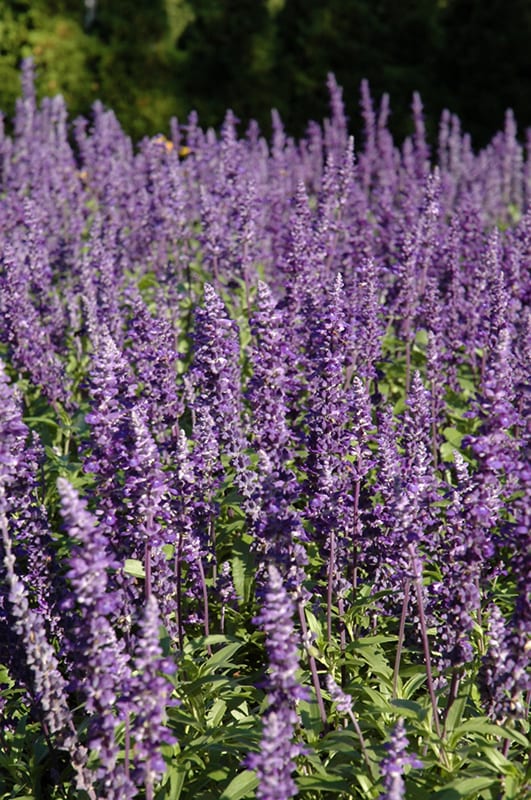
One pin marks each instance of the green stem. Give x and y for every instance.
(425, 640)
(401, 634)
(147, 570)
(362, 740)
(313, 665)
(329, 595)
(178, 580)
(452, 696)
(205, 603)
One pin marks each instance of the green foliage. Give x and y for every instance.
(216, 721)
(65, 55)
(126, 58)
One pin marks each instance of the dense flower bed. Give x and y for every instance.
(264, 460)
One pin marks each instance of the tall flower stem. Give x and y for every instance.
(204, 590)
(275, 762)
(408, 353)
(149, 787)
(425, 640)
(452, 696)
(127, 745)
(330, 585)
(357, 489)
(147, 570)
(360, 736)
(344, 705)
(342, 630)
(211, 537)
(434, 443)
(313, 665)
(178, 579)
(401, 632)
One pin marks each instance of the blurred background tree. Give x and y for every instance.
(485, 64)
(151, 59)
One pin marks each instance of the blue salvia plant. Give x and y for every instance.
(264, 459)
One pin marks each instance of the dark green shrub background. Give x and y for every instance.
(151, 59)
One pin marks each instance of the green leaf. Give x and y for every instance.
(365, 783)
(481, 725)
(243, 568)
(219, 774)
(343, 741)
(41, 420)
(212, 639)
(311, 718)
(380, 702)
(313, 623)
(463, 787)
(22, 797)
(243, 785)
(323, 782)
(369, 651)
(453, 436)
(499, 762)
(216, 713)
(455, 714)
(176, 777)
(447, 451)
(410, 709)
(168, 550)
(223, 657)
(414, 683)
(134, 567)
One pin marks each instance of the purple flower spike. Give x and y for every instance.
(275, 762)
(392, 766)
(277, 527)
(153, 695)
(154, 358)
(336, 128)
(48, 686)
(216, 381)
(342, 700)
(146, 487)
(504, 674)
(113, 395)
(20, 459)
(276, 619)
(101, 672)
(216, 371)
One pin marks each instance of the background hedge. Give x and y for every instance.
(151, 59)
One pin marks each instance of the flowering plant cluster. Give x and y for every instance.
(264, 460)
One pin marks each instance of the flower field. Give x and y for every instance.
(265, 486)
